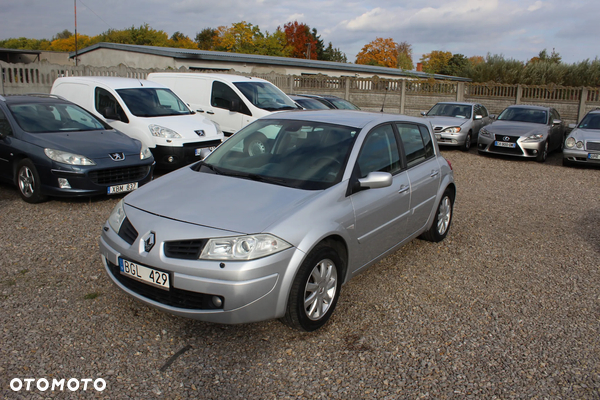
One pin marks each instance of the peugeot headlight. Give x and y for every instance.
(248, 247)
(65, 157)
(452, 129)
(145, 152)
(117, 216)
(537, 137)
(484, 132)
(161, 131)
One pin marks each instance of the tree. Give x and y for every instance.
(205, 39)
(435, 61)
(331, 54)
(63, 35)
(239, 38)
(273, 44)
(68, 44)
(381, 52)
(456, 66)
(180, 40)
(301, 40)
(544, 57)
(404, 56)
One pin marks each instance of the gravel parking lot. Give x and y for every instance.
(508, 306)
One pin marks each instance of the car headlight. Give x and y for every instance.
(161, 131)
(484, 132)
(570, 142)
(117, 216)
(452, 129)
(580, 145)
(145, 152)
(535, 137)
(65, 157)
(247, 247)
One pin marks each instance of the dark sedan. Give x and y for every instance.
(52, 147)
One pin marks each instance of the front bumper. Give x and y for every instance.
(173, 157)
(250, 291)
(451, 139)
(521, 148)
(581, 156)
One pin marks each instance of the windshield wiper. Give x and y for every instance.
(215, 170)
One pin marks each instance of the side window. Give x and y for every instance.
(222, 96)
(483, 111)
(5, 128)
(554, 115)
(379, 152)
(476, 110)
(104, 100)
(417, 143)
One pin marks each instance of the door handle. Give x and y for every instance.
(404, 189)
(210, 112)
(434, 173)
(200, 111)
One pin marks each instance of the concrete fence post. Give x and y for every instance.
(519, 94)
(460, 91)
(402, 96)
(347, 92)
(582, 101)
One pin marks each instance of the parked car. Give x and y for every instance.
(279, 232)
(457, 124)
(582, 145)
(523, 131)
(147, 111)
(52, 147)
(332, 102)
(232, 101)
(308, 103)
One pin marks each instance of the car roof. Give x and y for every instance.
(112, 81)
(530, 107)
(33, 98)
(225, 77)
(354, 118)
(459, 103)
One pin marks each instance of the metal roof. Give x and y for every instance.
(207, 55)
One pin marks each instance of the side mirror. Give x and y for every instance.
(423, 113)
(556, 122)
(109, 113)
(492, 116)
(572, 126)
(375, 180)
(477, 117)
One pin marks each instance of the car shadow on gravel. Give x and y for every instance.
(587, 228)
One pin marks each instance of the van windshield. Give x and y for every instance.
(153, 102)
(265, 95)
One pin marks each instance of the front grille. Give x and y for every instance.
(174, 297)
(184, 249)
(512, 139)
(203, 145)
(116, 176)
(592, 146)
(127, 232)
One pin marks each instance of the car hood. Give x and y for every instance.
(515, 128)
(92, 144)
(186, 125)
(585, 134)
(447, 121)
(218, 201)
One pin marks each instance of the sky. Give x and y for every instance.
(515, 29)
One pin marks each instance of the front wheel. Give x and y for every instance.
(442, 220)
(543, 154)
(29, 183)
(467, 145)
(315, 291)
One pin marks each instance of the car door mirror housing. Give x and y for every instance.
(375, 180)
(556, 122)
(423, 113)
(477, 117)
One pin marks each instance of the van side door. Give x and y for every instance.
(227, 108)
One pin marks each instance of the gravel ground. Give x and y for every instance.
(508, 306)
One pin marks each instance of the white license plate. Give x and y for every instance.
(145, 274)
(122, 188)
(505, 144)
(438, 136)
(197, 152)
(594, 156)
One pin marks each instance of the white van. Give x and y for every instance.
(147, 111)
(232, 101)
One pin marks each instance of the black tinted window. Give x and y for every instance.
(379, 152)
(223, 96)
(5, 128)
(417, 143)
(107, 105)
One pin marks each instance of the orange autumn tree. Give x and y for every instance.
(381, 52)
(300, 39)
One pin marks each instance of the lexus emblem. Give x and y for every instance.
(117, 156)
(149, 242)
(506, 139)
(200, 132)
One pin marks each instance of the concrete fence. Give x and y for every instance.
(402, 96)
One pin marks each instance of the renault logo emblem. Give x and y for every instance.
(117, 156)
(149, 242)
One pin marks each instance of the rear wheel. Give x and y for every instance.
(442, 220)
(315, 291)
(28, 182)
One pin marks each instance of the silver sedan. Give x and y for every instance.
(523, 131)
(583, 143)
(247, 236)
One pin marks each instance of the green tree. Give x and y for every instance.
(435, 61)
(405, 61)
(63, 35)
(333, 54)
(457, 66)
(205, 39)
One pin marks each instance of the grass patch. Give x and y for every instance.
(92, 295)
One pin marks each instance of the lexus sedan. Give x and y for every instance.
(583, 143)
(457, 124)
(52, 147)
(280, 231)
(523, 131)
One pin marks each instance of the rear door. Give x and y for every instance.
(6, 147)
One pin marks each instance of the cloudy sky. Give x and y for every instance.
(516, 29)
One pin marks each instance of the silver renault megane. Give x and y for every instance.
(252, 234)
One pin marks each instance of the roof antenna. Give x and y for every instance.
(132, 72)
(386, 90)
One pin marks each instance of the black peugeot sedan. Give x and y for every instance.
(52, 147)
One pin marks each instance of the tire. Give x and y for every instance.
(315, 291)
(542, 155)
(256, 144)
(442, 220)
(467, 145)
(28, 182)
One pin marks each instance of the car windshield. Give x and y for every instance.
(153, 102)
(265, 95)
(524, 115)
(590, 121)
(342, 104)
(54, 117)
(450, 110)
(311, 104)
(300, 154)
